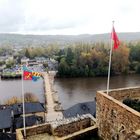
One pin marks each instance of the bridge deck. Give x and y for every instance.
(51, 113)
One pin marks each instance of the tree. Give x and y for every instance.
(13, 100)
(69, 56)
(10, 63)
(86, 71)
(63, 68)
(27, 53)
(30, 97)
(138, 68)
(135, 52)
(120, 59)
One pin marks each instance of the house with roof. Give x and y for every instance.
(6, 120)
(29, 121)
(34, 108)
(11, 117)
(41, 60)
(80, 109)
(24, 61)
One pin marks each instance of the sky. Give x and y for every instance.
(68, 17)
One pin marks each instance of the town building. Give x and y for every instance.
(11, 116)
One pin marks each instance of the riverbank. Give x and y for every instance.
(10, 76)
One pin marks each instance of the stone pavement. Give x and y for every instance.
(52, 115)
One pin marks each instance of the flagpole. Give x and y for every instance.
(108, 79)
(23, 103)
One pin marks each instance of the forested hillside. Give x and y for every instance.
(18, 40)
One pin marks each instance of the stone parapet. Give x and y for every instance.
(114, 119)
(61, 128)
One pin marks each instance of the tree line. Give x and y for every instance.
(89, 60)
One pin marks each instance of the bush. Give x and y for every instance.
(133, 103)
(13, 100)
(29, 97)
(138, 68)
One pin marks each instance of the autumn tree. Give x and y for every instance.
(13, 100)
(30, 97)
(120, 59)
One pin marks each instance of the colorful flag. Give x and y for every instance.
(27, 74)
(36, 75)
(115, 39)
(30, 75)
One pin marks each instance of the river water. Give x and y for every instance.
(76, 90)
(70, 90)
(10, 88)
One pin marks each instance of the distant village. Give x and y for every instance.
(10, 66)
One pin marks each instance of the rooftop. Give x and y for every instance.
(29, 108)
(5, 119)
(80, 109)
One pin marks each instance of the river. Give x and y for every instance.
(76, 90)
(10, 88)
(70, 90)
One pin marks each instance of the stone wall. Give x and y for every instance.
(34, 130)
(39, 129)
(115, 121)
(68, 126)
(66, 129)
(60, 128)
(123, 93)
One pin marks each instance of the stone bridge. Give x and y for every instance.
(51, 104)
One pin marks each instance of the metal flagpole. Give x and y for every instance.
(108, 79)
(23, 103)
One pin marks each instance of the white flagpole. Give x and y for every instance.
(23, 103)
(108, 79)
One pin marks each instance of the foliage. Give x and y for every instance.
(10, 63)
(120, 59)
(12, 101)
(138, 68)
(83, 59)
(88, 60)
(29, 97)
(32, 52)
(1, 63)
(6, 50)
(135, 52)
(133, 103)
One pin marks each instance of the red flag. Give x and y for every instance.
(115, 39)
(27, 75)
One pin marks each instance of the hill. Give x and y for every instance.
(19, 40)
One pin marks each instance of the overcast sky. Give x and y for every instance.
(68, 16)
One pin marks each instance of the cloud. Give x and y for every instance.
(68, 16)
(11, 15)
